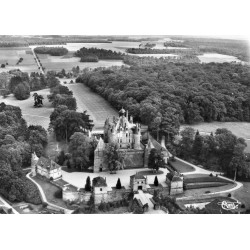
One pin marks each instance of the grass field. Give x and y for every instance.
(240, 129)
(12, 55)
(35, 116)
(181, 166)
(98, 108)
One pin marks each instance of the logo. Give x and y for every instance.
(229, 205)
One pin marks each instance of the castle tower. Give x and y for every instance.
(98, 160)
(163, 142)
(148, 148)
(137, 137)
(34, 160)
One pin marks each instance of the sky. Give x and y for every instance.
(131, 17)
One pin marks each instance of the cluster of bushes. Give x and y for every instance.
(19, 60)
(53, 51)
(109, 206)
(89, 58)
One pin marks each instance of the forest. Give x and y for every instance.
(17, 142)
(101, 54)
(53, 51)
(191, 93)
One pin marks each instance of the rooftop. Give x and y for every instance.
(47, 163)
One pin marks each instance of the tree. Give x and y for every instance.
(88, 184)
(186, 144)
(155, 160)
(197, 145)
(22, 91)
(80, 148)
(118, 184)
(156, 183)
(113, 157)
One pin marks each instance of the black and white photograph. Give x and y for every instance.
(138, 109)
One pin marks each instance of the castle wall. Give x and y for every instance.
(134, 158)
(163, 191)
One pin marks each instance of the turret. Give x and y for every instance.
(137, 137)
(34, 160)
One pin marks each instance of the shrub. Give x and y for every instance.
(118, 184)
(58, 194)
(156, 183)
(211, 175)
(45, 204)
(243, 206)
(229, 195)
(51, 178)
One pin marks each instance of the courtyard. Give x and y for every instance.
(78, 179)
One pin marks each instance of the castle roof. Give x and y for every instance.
(47, 163)
(174, 176)
(138, 176)
(100, 144)
(122, 111)
(99, 182)
(150, 144)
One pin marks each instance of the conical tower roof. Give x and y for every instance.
(100, 144)
(150, 144)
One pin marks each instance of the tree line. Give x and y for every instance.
(95, 54)
(53, 51)
(221, 151)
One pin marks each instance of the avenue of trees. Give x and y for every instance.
(17, 142)
(221, 151)
(53, 51)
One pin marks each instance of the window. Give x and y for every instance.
(100, 189)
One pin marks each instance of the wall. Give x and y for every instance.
(134, 158)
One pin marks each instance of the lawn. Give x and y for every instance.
(180, 166)
(204, 178)
(12, 55)
(50, 190)
(98, 108)
(34, 116)
(243, 194)
(240, 129)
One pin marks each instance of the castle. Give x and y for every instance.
(128, 136)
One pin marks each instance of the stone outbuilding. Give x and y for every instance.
(175, 182)
(138, 182)
(45, 167)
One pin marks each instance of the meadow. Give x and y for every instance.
(33, 116)
(240, 129)
(11, 56)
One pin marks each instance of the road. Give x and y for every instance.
(38, 63)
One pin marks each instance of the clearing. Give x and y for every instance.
(33, 116)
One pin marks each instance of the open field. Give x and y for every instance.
(240, 129)
(57, 63)
(98, 108)
(12, 55)
(34, 116)
(218, 58)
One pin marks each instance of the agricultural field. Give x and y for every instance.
(57, 63)
(12, 55)
(240, 129)
(34, 116)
